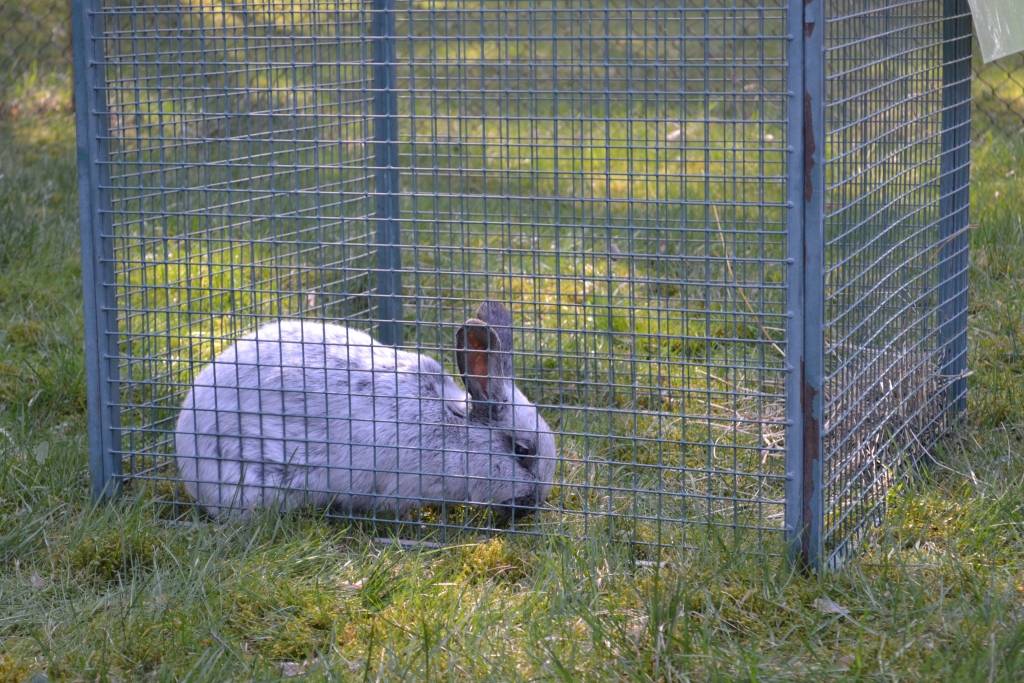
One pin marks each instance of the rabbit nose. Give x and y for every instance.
(525, 506)
(519, 508)
(527, 501)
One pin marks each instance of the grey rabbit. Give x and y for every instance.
(305, 412)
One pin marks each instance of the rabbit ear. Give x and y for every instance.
(499, 319)
(485, 364)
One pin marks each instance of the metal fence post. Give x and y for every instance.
(805, 284)
(385, 127)
(954, 199)
(98, 277)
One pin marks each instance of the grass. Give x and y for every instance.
(998, 90)
(113, 592)
(119, 591)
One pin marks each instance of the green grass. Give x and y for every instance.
(35, 51)
(114, 592)
(998, 91)
(126, 591)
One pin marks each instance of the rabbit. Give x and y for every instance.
(307, 413)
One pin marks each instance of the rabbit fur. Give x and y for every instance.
(304, 412)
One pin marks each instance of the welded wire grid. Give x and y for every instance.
(614, 173)
(893, 267)
(240, 183)
(35, 64)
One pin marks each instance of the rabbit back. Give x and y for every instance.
(309, 413)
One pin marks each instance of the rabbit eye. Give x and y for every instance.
(523, 448)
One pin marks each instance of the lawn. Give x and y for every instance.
(120, 591)
(114, 592)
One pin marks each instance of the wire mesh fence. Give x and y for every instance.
(35, 64)
(389, 167)
(727, 238)
(898, 129)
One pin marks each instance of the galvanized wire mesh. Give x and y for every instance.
(627, 178)
(35, 64)
(897, 129)
(613, 173)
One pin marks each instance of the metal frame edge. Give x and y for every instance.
(97, 257)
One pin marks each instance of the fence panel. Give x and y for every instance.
(730, 236)
(897, 130)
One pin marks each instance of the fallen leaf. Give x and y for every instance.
(829, 606)
(293, 669)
